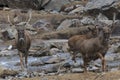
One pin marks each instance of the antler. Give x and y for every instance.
(30, 16)
(9, 20)
(113, 24)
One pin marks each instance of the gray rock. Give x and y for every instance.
(65, 24)
(7, 72)
(102, 17)
(77, 10)
(103, 6)
(108, 22)
(87, 21)
(9, 33)
(110, 57)
(56, 4)
(43, 26)
(54, 51)
(99, 4)
(55, 58)
(69, 23)
(113, 48)
(26, 4)
(8, 52)
(77, 70)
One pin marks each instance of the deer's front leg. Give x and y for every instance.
(26, 58)
(21, 60)
(103, 61)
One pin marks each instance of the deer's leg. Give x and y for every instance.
(103, 61)
(85, 64)
(73, 57)
(21, 60)
(26, 57)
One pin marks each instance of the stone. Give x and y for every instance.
(43, 26)
(87, 21)
(69, 23)
(77, 70)
(26, 4)
(94, 7)
(9, 33)
(77, 10)
(7, 72)
(54, 51)
(56, 4)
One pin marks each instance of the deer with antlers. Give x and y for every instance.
(22, 41)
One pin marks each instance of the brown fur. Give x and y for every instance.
(94, 48)
(72, 41)
(23, 49)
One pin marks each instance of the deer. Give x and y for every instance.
(72, 40)
(94, 48)
(22, 42)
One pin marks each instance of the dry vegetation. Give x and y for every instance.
(81, 76)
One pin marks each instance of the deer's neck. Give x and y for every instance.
(101, 37)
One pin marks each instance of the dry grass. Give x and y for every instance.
(81, 76)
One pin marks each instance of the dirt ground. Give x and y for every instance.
(81, 76)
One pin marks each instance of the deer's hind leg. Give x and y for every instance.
(85, 64)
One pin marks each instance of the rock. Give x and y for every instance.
(56, 4)
(50, 59)
(77, 70)
(69, 23)
(99, 4)
(7, 72)
(113, 48)
(55, 58)
(65, 24)
(3, 47)
(93, 68)
(65, 48)
(26, 4)
(110, 57)
(54, 51)
(77, 10)
(9, 33)
(117, 57)
(44, 47)
(10, 47)
(71, 6)
(108, 22)
(36, 63)
(48, 68)
(87, 21)
(103, 6)
(8, 53)
(43, 26)
(102, 17)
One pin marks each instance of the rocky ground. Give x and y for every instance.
(50, 28)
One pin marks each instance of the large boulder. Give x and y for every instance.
(56, 4)
(35, 4)
(103, 6)
(26, 4)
